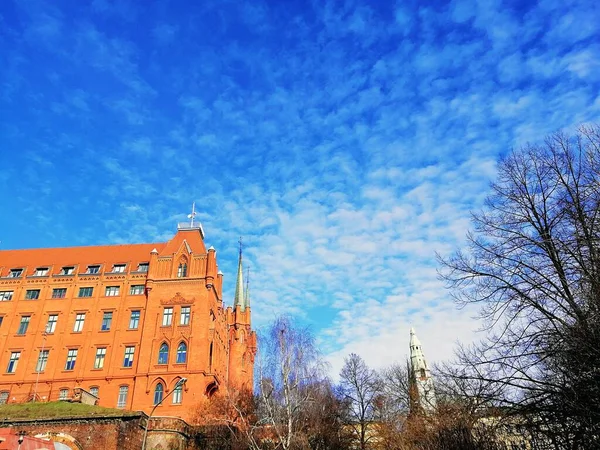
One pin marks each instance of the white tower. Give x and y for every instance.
(420, 375)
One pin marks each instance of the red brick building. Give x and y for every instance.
(124, 322)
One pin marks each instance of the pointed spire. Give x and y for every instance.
(239, 285)
(247, 296)
(420, 374)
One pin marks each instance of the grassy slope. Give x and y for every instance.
(54, 410)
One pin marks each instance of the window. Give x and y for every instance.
(111, 291)
(71, 358)
(15, 273)
(59, 293)
(129, 352)
(122, 400)
(106, 320)
(178, 395)
(3, 397)
(94, 390)
(119, 268)
(24, 324)
(143, 267)
(158, 393)
(13, 362)
(1, 320)
(100, 354)
(32, 294)
(85, 291)
(181, 353)
(182, 270)
(63, 394)
(42, 360)
(40, 272)
(67, 270)
(134, 320)
(185, 315)
(92, 269)
(137, 289)
(79, 320)
(51, 324)
(6, 296)
(167, 317)
(163, 354)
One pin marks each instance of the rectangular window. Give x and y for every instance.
(94, 390)
(32, 294)
(111, 291)
(40, 272)
(71, 358)
(143, 267)
(185, 315)
(51, 324)
(167, 317)
(122, 400)
(13, 362)
(137, 289)
(15, 273)
(63, 394)
(79, 320)
(1, 320)
(85, 291)
(59, 293)
(3, 397)
(67, 270)
(106, 320)
(129, 352)
(100, 354)
(134, 320)
(119, 268)
(182, 270)
(93, 270)
(6, 296)
(42, 360)
(24, 324)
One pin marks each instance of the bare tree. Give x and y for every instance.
(361, 386)
(533, 266)
(288, 367)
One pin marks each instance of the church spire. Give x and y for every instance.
(239, 285)
(420, 374)
(247, 293)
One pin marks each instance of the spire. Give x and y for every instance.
(247, 296)
(420, 373)
(239, 285)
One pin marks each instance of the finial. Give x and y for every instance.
(240, 242)
(192, 215)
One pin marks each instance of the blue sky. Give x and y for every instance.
(345, 141)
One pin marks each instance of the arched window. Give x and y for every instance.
(178, 395)
(158, 393)
(182, 270)
(181, 353)
(163, 354)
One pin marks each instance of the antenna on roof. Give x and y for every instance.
(192, 215)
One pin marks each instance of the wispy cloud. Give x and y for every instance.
(347, 142)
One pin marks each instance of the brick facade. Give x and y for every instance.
(125, 322)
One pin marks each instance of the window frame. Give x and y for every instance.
(42, 360)
(100, 357)
(63, 394)
(67, 270)
(119, 268)
(15, 273)
(32, 294)
(41, 272)
(122, 397)
(185, 315)
(167, 317)
(134, 291)
(143, 267)
(6, 296)
(71, 358)
(159, 392)
(51, 324)
(106, 323)
(93, 269)
(57, 291)
(13, 361)
(23, 325)
(181, 355)
(84, 290)
(129, 356)
(163, 354)
(112, 291)
(177, 398)
(135, 317)
(79, 322)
